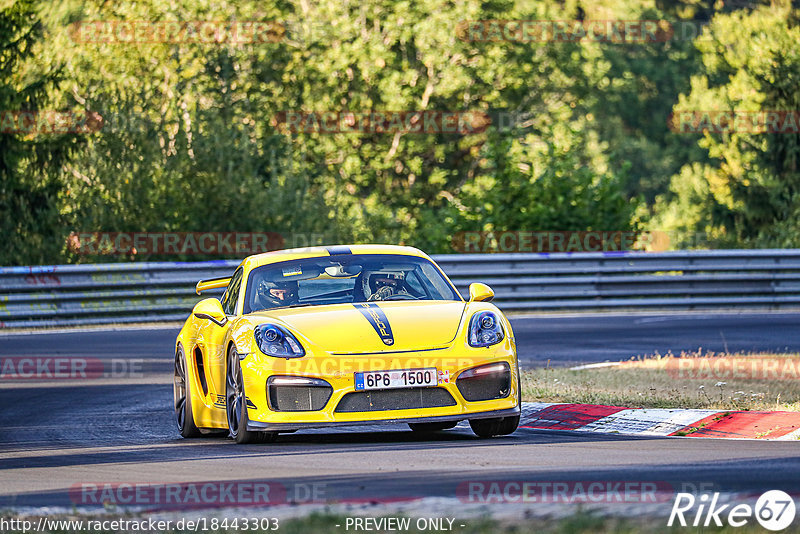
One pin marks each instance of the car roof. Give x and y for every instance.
(276, 256)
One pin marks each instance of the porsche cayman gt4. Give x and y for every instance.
(344, 335)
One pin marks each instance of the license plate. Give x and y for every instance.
(399, 378)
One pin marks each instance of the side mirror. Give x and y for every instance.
(210, 309)
(480, 292)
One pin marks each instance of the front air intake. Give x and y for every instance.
(297, 394)
(486, 382)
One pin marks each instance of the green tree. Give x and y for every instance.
(31, 220)
(748, 193)
(191, 143)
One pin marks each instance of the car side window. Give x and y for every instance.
(232, 293)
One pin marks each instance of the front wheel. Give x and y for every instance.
(498, 426)
(236, 404)
(182, 398)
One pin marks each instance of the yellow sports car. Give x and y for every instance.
(344, 335)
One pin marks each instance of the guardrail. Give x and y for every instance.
(59, 295)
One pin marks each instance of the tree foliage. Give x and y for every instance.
(31, 220)
(747, 192)
(191, 140)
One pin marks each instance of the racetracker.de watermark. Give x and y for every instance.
(341, 367)
(735, 121)
(727, 368)
(573, 31)
(166, 243)
(177, 32)
(564, 491)
(557, 241)
(49, 122)
(380, 122)
(187, 495)
(68, 368)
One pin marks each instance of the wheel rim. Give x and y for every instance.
(179, 390)
(235, 393)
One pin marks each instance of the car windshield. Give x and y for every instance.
(345, 279)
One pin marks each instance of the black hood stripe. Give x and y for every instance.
(377, 318)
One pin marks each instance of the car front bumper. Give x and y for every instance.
(290, 427)
(339, 373)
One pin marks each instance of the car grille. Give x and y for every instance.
(395, 399)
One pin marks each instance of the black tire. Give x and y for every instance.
(498, 426)
(236, 405)
(432, 427)
(182, 398)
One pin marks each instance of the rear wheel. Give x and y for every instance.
(432, 427)
(182, 398)
(498, 426)
(236, 404)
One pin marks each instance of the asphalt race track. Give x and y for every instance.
(59, 435)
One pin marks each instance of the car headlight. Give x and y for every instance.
(485, 329)
(274, 340)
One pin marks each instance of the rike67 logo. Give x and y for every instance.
(774, 510)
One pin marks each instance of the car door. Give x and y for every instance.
(213, 342)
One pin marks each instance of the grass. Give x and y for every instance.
(754, 381)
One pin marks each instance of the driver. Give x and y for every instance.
(274, 294)
(384, 285)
